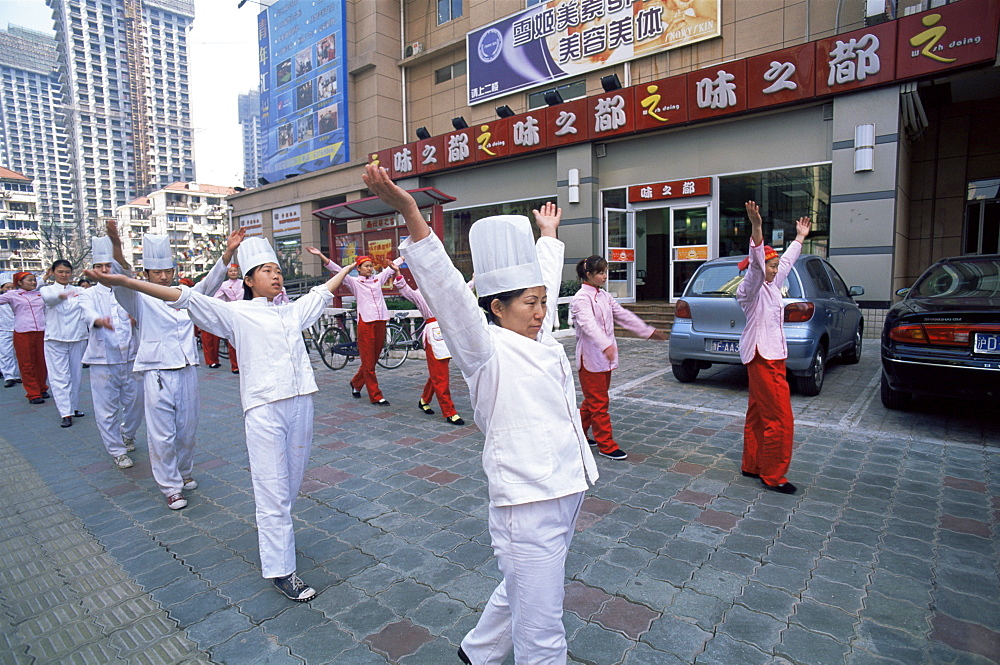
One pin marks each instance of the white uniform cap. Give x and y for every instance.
(503, 255)
(156, 254)
(254, 252)
(101, 249)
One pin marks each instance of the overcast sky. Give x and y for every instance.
(222, 65)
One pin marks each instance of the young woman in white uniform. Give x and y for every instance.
(115, 389)
(65, 341)
(536, 456)
(276, 389)
(8, 359)
(168, 359)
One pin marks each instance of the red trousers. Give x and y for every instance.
(29, 347)
(594, 410)
(770, 425)
(210, 345)
(438, 383)
(371, 338)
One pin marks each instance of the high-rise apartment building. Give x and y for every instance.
(33, 140)
(123, 66)
(249, 114)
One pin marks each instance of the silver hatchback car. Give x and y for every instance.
(822, 321)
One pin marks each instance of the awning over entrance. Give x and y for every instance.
(373, 206)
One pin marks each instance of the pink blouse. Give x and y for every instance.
(29, 309)
(595, 312)
(762, 305)
(368, 293)
(230, 291)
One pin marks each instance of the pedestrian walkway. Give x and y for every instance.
(887, 556)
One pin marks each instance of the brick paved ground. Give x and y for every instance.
(888, 555)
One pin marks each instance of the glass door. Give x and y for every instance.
(619, 243)
(688, 245)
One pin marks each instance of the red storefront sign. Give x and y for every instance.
(947, 37)
(621, 255)
(492, 140)
(858, 59)
(674, 189)
(403, 162)
(527, 132)
(430, 155)
(660, 103)
(611, 114)
(781, 77)
(459, 148)
(568, 123)
(716, 91)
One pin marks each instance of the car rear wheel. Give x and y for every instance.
(892, 398)
(853, 355)
(686, 371)
(812, 383)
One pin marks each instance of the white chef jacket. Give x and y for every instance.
(64, 319)
(274, 363)
(107, 347)
(166, 334)
(522, 389)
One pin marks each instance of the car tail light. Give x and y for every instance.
(938, 334)
(799, 312)
(682, 310)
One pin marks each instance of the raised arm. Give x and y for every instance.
(550, 258)
(164, 293)
(232, 244)
(756, 223)
(116, 245)
(378, 181)
(328, 263)
(334, 282)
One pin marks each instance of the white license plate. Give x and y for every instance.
(722, 346)
(988, 343)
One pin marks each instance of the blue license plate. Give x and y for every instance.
(722, 346)
(987, 343)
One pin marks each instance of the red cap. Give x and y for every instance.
(361, 259)
(769, 253)
(18, 276)
(186, 281)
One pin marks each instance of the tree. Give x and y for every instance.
(62, 242)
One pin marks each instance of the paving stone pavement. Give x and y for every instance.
(888, 554)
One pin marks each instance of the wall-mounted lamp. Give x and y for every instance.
(422, 133)
(459, 122)
(573, 178)
(291, 175)
(263, 181)
(611, 82)
(552, 97)
(864, 148)
(504, 111)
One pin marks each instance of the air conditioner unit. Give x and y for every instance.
(413, 49)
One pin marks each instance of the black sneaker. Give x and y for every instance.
(617, 454)
(355, 393)
(425, 407)
(9, 383)
(591, 442)
(455, 420)
(783, 488)
(294, 588)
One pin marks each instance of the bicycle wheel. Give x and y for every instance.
(334, 347)
(224, 348)
(396, 347)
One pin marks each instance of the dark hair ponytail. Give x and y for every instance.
(593, 263)
(247, 291)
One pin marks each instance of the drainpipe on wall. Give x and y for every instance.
(402, 70)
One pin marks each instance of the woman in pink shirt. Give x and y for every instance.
(29, 335)
(372, 315)
(230, 291)
(595, 312)
(769, 427)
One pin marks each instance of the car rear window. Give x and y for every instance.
(975, 278)
(721, 280)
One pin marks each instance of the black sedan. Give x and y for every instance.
(943, 339)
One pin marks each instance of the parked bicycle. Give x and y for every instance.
(336, 344)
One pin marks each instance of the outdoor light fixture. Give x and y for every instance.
(611, 82)
(458, 122)
(552, 97)
(422, 133)
(573, 180)
(864, 148)
(504, 111)
(263, 181)
(291, 175)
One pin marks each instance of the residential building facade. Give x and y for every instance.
(249, 116)
(20, 240)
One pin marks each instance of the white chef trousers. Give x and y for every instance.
(8, 361)
(64, 364)
(279, 437)
(172, 407)
(525, 612)
(118, 405)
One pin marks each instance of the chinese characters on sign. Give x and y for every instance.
(670, 190)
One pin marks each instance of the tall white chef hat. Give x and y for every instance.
(101, 249)
(156, 254)
(254, 252)
(503, 254)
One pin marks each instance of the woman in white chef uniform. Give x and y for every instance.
(168, 360)
(8, 360)
(115, 389)
(536, 456)
(65, 341)
(276, 389)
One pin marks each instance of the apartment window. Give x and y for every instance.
(448, 10)
(451, 71)
(982, 217)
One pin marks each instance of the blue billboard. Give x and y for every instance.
(303, 86)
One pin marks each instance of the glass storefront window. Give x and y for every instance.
(784, 195)
(289, 251)
(458, 222)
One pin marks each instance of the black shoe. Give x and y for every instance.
(381, 402)
(37, 400)
(616, 454)
(67, 421)
(747, 474)
(783, 488)
(8, 383)
(456, 420)
(462, 657)
(46, 395)
(215, 365)
(86, 366)
(355, 393)
(78, 414)
(18, 380)
(425, 407)
(294, 588)
(236, 371)
(591, 442)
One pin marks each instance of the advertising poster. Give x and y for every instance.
(303, 76)
(562, 38)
